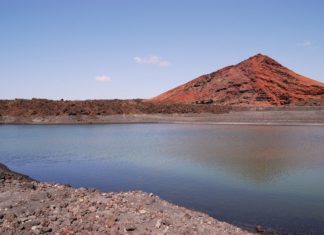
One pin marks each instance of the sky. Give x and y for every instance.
(107, 49)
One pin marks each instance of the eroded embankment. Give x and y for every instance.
(259, 117)
(42, 111)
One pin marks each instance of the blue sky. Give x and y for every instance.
(137, 49)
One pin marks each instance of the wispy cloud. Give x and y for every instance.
(103, 78)
(305, 44)
(155, 60)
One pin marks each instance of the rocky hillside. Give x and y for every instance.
(257, 81)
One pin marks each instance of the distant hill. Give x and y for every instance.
(257, 81)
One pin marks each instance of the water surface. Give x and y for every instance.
(271, 176)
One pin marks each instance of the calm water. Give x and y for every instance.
(247, 175)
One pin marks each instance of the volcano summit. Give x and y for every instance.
(257, 81)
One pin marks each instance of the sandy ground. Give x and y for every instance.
(30, 207)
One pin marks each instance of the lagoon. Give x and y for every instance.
(245, 175)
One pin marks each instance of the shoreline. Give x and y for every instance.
(180, 123)
(31, 207)
(309, 117)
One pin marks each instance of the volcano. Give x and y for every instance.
(257, 81)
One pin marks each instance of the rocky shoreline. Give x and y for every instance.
(31, 207)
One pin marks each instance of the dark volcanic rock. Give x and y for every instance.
(6, 173)
(23, 110)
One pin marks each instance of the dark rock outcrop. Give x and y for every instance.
(6, 173)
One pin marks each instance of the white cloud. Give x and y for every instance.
(304, 44)
(155, 60)
(103, 78)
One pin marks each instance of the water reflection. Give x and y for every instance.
(258, 154)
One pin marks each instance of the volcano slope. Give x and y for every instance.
(257, 81)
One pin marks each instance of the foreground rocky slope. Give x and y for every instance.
(30, 207)
(257, 81)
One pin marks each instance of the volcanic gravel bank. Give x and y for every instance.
(31, 207)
